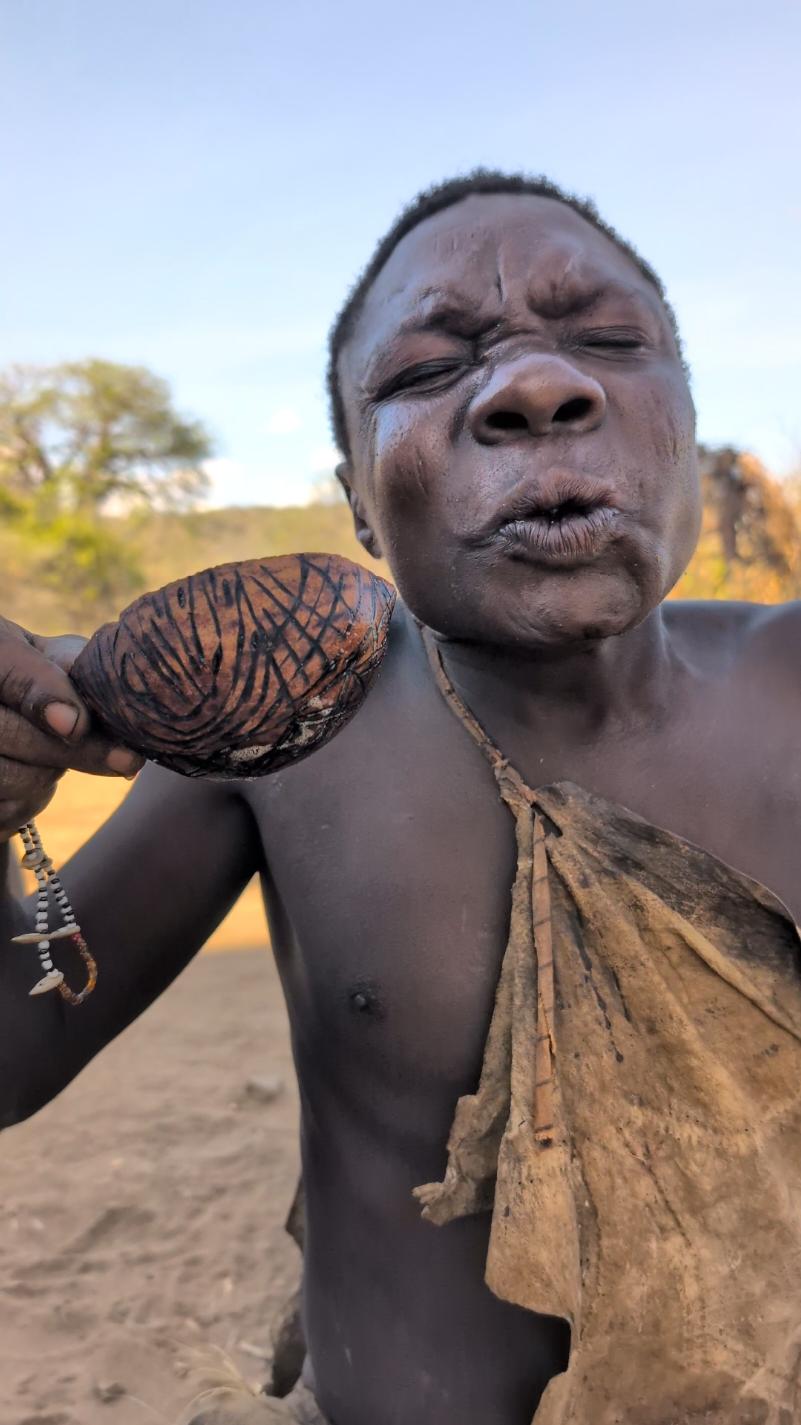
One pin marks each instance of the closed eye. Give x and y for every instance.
(609, 339)
(428, 375)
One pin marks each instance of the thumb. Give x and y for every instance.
(62, 651)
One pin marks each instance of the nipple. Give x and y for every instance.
(363, 1000)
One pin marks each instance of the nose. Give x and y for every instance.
(536, 394)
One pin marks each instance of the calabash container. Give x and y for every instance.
(241, 669)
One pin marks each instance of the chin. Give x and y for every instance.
(515, 608)
(564, 612)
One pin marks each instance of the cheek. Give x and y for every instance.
(669, 488)
(407, 458)
(673, 425)
(677, 455)
(664, 418)
(410, 461)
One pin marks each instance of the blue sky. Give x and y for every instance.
(195, 185)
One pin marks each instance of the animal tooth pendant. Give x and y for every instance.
(50, 981)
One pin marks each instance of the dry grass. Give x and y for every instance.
(83, 803)
(217, 1380)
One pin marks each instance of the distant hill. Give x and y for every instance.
(169, 545)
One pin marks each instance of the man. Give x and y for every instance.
(518, 441)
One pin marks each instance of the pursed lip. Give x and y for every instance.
(556, 489)
(565, 517)
(573, 539)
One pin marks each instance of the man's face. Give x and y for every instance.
(522, 433)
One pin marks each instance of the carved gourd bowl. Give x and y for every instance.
(241, 669)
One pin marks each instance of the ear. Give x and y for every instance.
(364, 532)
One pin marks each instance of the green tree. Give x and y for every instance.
(76, 435)
(80, 443)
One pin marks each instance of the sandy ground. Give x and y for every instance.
(141, 1213)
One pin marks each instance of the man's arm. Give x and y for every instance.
(148, 889)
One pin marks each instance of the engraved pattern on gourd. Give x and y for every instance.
(241, 669)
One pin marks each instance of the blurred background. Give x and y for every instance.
(190, 187)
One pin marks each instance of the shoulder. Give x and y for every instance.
(755, 637)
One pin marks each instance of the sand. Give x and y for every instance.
(141, 1212)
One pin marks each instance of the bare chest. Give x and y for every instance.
(388, 900)
(391, 859)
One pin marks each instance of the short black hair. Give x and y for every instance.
(433, 200)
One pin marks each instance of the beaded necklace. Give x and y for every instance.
(37, 861)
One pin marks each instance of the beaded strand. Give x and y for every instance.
(36, 860)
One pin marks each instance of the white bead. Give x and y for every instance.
(44, 944)
(47, 964)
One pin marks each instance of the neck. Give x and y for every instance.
(621, 682)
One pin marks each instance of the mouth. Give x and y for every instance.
(569, 521)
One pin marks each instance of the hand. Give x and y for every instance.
(44, 726)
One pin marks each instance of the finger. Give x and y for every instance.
(19, 782)
(62, 650)
(23, 742)
(15, 812)
(105, 759)
(39, 690)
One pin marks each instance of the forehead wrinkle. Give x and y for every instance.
(579, 289)
(438, 254)
(563, 287)
(439, 310)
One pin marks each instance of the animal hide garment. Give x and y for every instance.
(636, 1132)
